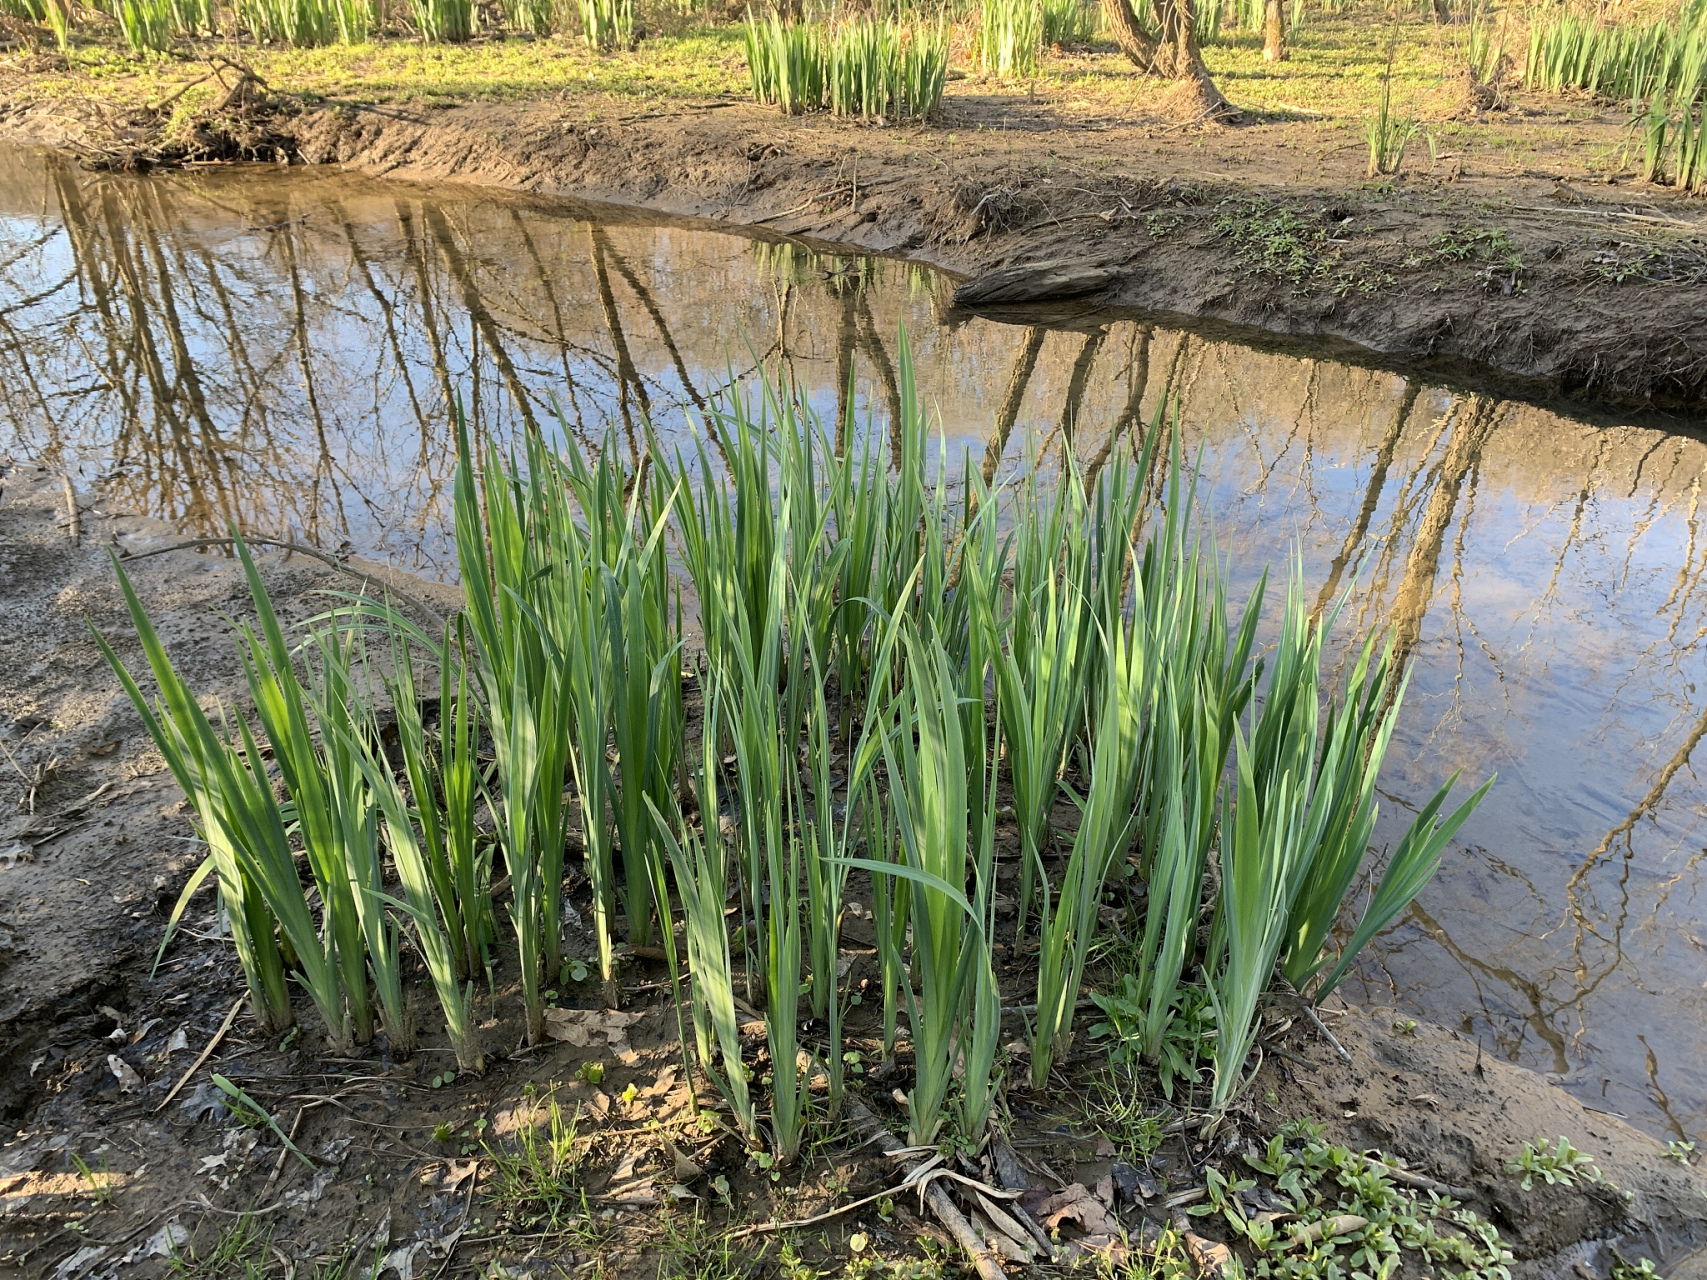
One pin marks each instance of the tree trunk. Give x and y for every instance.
(1135, 42)
(1180, 60)
(1274, 32)
(1171, 53)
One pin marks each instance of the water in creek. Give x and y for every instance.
(283, 350)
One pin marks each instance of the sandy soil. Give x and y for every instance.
(92, 1046)
(1533, 270)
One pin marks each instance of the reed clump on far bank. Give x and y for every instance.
(861, 66)
(1620, 60)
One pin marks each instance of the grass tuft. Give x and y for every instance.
(1010, 37)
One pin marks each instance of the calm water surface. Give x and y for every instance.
(282, 350)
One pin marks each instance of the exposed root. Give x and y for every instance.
(1195, 100)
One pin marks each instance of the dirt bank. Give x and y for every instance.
(105, 1171)
(1435, 1099)
(1536, 275)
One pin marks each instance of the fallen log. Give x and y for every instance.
(1035, 282)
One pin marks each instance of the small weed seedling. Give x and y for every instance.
(1347, 1217)
(1560, 1165)
(534, 1184)
(254, 1115)
(1188, 1039)
(240, 1250)
(100, 1184)
(690, 1247)
(1276, 242)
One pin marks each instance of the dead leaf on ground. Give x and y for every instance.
(401, 1260)
(585, 1027)
(1005, 1222)
(1077, 1203)
(662, 1085)
(1210, 1257)
(163, 1243)
(686, 1170)
(456, 1174)
(80, 1261)
(129, 1081)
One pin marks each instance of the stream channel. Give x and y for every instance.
(281, 349)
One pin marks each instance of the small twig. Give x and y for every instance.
(1323, 1028)
(232, 1091)
(1417, 1180)
(1300, 1059)
(77, 807)
(1601, 1111)
(16, 767)
(170, 98)
(301, 549)
(1610, 213)
(206, 1053)
(73, 517)
(278, 1165)
(202, 1203)
(615, 1195)
(799, 208)
(691, 106)
(816, 1218)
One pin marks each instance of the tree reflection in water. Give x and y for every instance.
(286, 353)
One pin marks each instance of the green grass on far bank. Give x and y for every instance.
(704, 62)
(1332, 78)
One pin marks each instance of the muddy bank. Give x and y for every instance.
(1591, 290)
(93, 1044)
(92, 826)
(1435, 1099)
